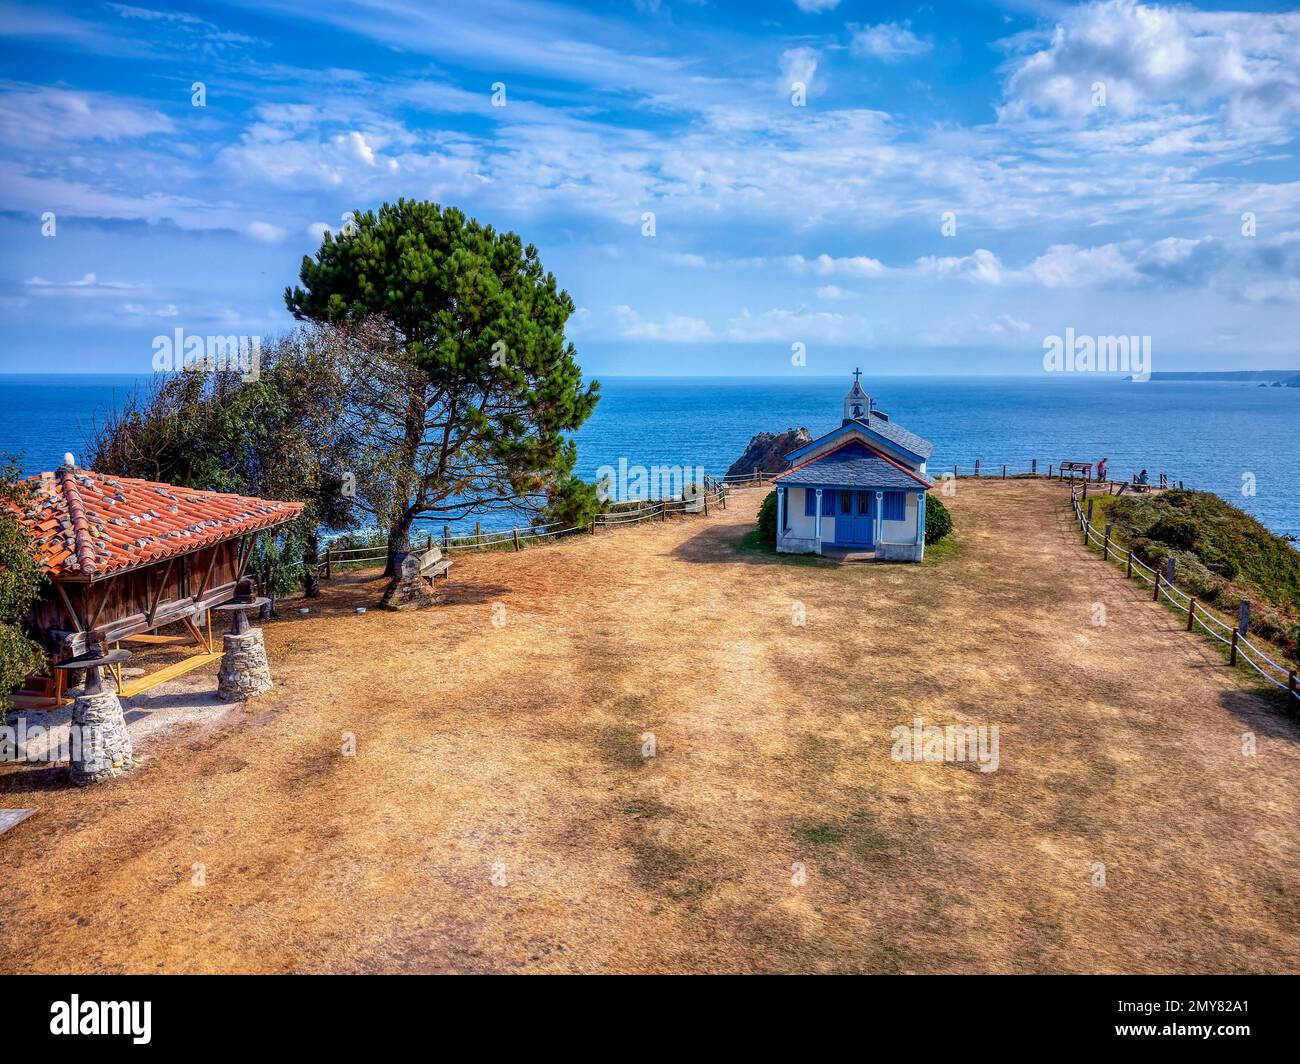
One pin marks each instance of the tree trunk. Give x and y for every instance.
(310, 560)
(399, 540)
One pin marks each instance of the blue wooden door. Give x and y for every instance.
(855, 524)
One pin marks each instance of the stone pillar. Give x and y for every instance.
(101, 747)
(245, 671)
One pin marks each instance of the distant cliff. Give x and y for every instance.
(767, 452)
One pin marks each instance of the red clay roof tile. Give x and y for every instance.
(90, 524)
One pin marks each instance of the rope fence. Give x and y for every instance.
(714, 494)
(1240, 648)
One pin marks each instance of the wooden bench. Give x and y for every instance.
(1077, 467)
(438, 569)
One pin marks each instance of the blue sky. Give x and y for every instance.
(774, 224)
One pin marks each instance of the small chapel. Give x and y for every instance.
(858, 492)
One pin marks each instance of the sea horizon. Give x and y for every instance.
(705, 423)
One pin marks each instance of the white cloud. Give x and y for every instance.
(833, 293)
(813, 7)
(317, 230)
(890, 42)
(827, 266)
(981, 266)
(88, 285)
(266, 232)
(798, 67)
(1070, 266)
(361, 151)
(1150, 56)
(673, 328)
(32, 116)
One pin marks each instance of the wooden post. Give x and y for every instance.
(329, 570)
(1033, 466)
(516, 531)
(1090, 501)
(478, 533)
(663, 510)
(1049, 470)
(1232, 658)
(446, 536)
(1085, 487)
(706, 500)
(977, 467)
(723, 496)
(593, 526)
(954, 471)
(1105, 545)
(1191, 614)
(1243, 617)
(1156, 596)
(1129, 574)
(1291, 702)
(1004, 472)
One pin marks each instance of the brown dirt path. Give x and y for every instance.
(513, 753)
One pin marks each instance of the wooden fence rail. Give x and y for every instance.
(1163, 586)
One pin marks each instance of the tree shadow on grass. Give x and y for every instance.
(724, 544)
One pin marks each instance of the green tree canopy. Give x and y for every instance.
(20, 581)
(472, 412)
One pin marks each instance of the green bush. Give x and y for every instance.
(1177, 532)
(938, 521)
(767, 520)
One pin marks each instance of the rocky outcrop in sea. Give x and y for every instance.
(767, 452)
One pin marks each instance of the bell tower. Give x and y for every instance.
(857, 404)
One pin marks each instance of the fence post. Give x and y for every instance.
(1049, 470)
(328, 567)
(1129, 574)
(1105, 545)
(478, 533)
(1232, 658)
(1243, 617)
(663, 510)
(1156, 596)
(1090, 501)
(722, 494)
(1033, 466)
(977, 467)
(1191, 614)
(1291, 702)
(429, 544)
(954, 471)
(706, 500)
(593, 525)
(446, 536)
(516, 531)
(1004, 472)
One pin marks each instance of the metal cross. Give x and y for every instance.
(856, 374)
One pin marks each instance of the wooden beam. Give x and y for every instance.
(103, 601)
(212, 564)
(77, 626)
(162, 586)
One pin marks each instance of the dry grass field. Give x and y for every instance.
(499, 814)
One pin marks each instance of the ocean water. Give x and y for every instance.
(1215, 436)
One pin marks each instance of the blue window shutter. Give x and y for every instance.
(809, 503)
(828, 502)
(895, 506)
